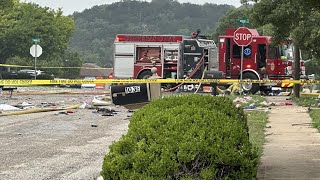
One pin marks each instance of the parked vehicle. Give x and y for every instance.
(31, 72)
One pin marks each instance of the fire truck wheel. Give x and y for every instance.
(250, 87)
(145, 75)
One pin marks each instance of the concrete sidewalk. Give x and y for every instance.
(292, 148)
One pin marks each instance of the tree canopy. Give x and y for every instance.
(21, 22)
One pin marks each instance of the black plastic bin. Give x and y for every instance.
(130, 94)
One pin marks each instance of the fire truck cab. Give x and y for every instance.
(261, 60)
(174, 56)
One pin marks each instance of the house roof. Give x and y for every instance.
(93, 70)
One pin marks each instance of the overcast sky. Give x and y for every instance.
(69, 6)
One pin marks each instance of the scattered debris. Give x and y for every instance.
(6, 107)
(46, 105)
(106, 111)
(70, 111)
(24, 104)
(266, 104)
(97, 102)
(107, 114)
(86, 106)
(242, 100)
(302, 124)
(62, 112)
(251, 106)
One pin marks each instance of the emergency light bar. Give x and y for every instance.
(147, 38)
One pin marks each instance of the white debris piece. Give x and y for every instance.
(6, 107)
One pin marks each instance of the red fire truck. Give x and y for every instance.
(261, 60)
(188, 56)
(174, 56)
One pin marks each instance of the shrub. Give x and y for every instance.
(188, 137)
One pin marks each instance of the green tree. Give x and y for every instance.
(288, 20)
(72, 59)
(230, 20)
(25, 21)
(6, 4)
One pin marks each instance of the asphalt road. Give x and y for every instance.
(57, 146)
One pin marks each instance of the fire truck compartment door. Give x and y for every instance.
(171, 46)
(123, 67)
(124, 49)
(124, 60)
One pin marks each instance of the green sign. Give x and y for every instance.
(35, 40)
(243, 21)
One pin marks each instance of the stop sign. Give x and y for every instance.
(242, 36)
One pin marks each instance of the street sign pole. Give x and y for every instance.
(241, 69)
(35, 51)
(242, 37)
(35, 61)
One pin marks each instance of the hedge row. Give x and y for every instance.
(187, 137)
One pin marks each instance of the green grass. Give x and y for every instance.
(307, 101)
(310, 101)
(257, 121)
(315, 115)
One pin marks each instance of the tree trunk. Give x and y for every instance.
(297, 70)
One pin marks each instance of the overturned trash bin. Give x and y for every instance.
(130, 94)
(136, 93)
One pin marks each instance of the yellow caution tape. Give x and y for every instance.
(48, 67)
(16, 82)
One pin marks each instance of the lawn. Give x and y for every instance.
(307, 101)
(257, 121)
(315, 115)
(313, 102)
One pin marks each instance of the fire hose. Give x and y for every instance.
(199, 64)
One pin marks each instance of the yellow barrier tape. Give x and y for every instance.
(126, 81)
(48, 67)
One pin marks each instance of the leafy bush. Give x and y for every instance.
(188, 137)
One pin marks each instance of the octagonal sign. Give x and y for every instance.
(242, 36)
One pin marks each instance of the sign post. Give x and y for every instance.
(35, 51)
(242, 37)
